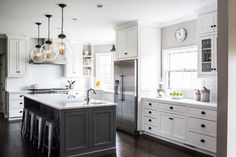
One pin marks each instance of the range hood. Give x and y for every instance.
(58, 61)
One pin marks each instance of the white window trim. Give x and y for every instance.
(164, 58)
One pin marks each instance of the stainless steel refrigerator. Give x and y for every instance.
(125, 94)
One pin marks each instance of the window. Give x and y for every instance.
(104, 69)
(180, 68)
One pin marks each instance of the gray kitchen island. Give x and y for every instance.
(83, 129)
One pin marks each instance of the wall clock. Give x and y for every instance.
(180, 34)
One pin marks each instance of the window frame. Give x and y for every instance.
(165, 57)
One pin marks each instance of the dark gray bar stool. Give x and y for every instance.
(50, 132)
(24, 122)
(38, 127)
(31, 124)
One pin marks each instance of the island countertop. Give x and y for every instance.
(64, 101)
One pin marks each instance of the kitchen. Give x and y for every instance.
(82, 79)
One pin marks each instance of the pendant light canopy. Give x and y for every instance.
(36, 55)
(62, 44)
(47, 48)
(113, 49)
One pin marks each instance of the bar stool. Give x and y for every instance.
(30, 125)
(38, 127)
(50, 131)
(24, 122)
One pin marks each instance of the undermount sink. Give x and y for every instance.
(97, 102)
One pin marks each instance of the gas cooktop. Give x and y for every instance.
(49, 91)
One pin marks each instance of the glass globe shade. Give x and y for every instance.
(37, 56)
(49, 52)
(61, 47)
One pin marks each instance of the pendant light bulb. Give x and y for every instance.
(36, 55)
(62, 44)
(47, 48)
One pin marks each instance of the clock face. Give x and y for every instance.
(180, 34)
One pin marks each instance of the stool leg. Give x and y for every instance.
(44, 136)
(35, 129)
(31, 127)
(39, 132)
(50, 134)
(25, 123)
(22, 123)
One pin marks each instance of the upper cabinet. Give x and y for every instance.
(207, 23)
(17, 60)
(127, 43)
(73, 67)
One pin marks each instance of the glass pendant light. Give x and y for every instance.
(62, 44)
(47, 48)
(36, 55)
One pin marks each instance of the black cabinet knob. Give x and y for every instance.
(150, 128)
(203, 126)
(149, 120)
(21, 103)
(171, 108)
(170, 118)
(212, 26)
(150, 104)
(125, 53)
(203, 141)
(214, 68)
(150, 112)
(21, 95)
(20, 111)
(203, 112)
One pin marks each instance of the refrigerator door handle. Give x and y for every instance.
(122, 88)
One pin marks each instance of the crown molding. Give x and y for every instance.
(178, 20)
(206, 9)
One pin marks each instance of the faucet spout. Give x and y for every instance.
(88, 97)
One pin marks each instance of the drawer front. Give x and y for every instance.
(203, 126)
(150, 129)
(151, 121)
(173, 108)
(18, 104)
(203, 113)
(15, 113)
(150, 104)
(202, 141)
(151, 113)
(15, 97)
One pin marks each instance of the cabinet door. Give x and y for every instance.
(132, 43)
(121, 39)
(76, 131)
(165, 124)
(215, 54)
(179, 127)
(206, 23)
(12, 57)
(22, 60)
(103, 127)
(215, 21)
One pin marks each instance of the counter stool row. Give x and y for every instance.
(35, 125)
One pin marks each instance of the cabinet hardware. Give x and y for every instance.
(125, 53)
(150, 112)
(214, 68)
(171, 108)
(21, 95)
(203, 126)
(171, 119)
(212, 26)
(150, 104)
(150, 120)
(202, 140)
(203, 112)
(20, 111)
(21, 103)
(149, 128)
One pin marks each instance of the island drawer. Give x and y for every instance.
(13, 113)
(203, 113)
(202, 126)
(13, 96)
(150, 104)
(151, 121)
(150, 112)
(173, 108)
(150, 128)
(202, 141)
(16, 104)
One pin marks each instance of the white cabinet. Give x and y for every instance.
(17, 59)
(207, 59)
(15, 105)
(207, 23)
(173, 126)
(127, 43)
(73, 67)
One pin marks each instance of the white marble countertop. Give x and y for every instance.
(184, 101)
(64, 101)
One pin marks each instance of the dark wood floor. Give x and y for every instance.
(13, 145)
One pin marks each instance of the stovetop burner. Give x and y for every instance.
(49, 91)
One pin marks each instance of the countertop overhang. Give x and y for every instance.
(64, 101)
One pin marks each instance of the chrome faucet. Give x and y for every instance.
(87, 98)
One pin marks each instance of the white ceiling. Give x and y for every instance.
(93, 24)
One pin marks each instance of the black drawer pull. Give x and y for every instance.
(150, 112)
(149, 120)
(170, 118)
(171, 108)
(150, 128)
(203, 112)
(212, 26)
(125, 53)
(203, 125)
(21, 103)
(150, 104)
(202, 140)
(20, 111)
(21, 95)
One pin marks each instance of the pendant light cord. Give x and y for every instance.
(38, 34)
(62, 20)
(48, 28)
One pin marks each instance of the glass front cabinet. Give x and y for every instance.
(207, 59)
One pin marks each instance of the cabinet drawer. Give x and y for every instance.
(203, 113)
(203, 126)
(16, 104)
(150, 128)
(15, 97)
(173, 108)
(150, 112)
(202, 141)
(15, 113)
(150, 104)
(151, 121)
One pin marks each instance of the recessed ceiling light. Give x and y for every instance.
(99, 5)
